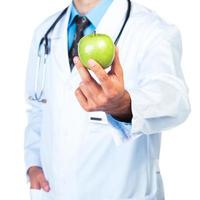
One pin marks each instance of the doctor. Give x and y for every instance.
(96, 135)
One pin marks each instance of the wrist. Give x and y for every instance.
(122, 111)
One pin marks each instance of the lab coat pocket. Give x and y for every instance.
(35, 194)
(97, 122)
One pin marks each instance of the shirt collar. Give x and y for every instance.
(73, 13)
(94, 15)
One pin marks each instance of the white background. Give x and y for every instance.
(180, 152)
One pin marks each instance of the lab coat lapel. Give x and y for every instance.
(113, 19)
(60, 45)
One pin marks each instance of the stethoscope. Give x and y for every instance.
(42, 55)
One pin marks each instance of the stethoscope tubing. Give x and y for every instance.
(46, 41)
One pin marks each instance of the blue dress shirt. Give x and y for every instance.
(94, 15)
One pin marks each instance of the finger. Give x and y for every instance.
(92, 101)
(92, 93)
(35, 185)
(43, 183)
(100, 74)
(81, 98)
(85, 75)
(116, 67)
(86, 92)
(92, 84)
(93, 88)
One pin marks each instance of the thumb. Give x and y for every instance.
(44, 184)
(116, 66)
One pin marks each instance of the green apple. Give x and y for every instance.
(98, 47)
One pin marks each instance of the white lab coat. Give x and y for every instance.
(84, 159)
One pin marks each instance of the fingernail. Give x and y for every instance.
(91, 63)
(46, 187)
(75, 59)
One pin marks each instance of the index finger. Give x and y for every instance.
(85, 75)
(100, 74)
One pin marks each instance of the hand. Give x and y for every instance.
(37, 179)
(108, 96)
